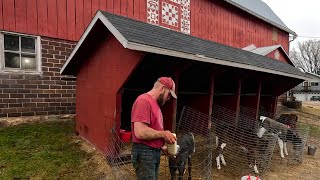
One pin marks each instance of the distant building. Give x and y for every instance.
(308, 90)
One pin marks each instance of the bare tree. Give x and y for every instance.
(307, 56)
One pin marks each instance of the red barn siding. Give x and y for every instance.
(130, 8)
(117, 7)
(79, 18)
(9, 15)
(283, 57)
(103, 5)
(62, 19)
(67, 19)
(32, 17)
(52, 18)
(1, 17)
(21, 15)
(87, 12)
(221, 22)
(110, 6)
(104, 87)
(95, 7)
(71, 20)
(42, 17)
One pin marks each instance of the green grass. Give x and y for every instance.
(314, 130)
(42, 151)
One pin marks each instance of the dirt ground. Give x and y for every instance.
(278, 170)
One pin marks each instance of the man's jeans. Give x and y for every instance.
(145, 161)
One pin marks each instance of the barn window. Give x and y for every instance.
(20, 53)
(275, 34)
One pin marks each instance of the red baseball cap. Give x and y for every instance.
(169, 83)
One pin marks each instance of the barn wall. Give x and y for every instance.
(208, 19)
(63, 19)
(223, 23)
(40, 94)
(281, 56)
(97, 90)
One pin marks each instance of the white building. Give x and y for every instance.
(308, 90)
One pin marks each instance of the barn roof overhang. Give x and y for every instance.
(139, 36)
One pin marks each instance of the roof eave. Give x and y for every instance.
(107, 23)
(160, 50)
(156, 50)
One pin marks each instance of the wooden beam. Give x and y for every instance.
(258, 98)
(211, 92)
(174, 106)
(238, 94)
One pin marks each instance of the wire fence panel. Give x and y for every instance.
(118, 155)
(294, 143)
(239, 150)
(197, 123)
(228, 142)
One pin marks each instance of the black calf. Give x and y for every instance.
(186, 148)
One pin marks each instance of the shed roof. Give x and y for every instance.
(262, 11)
(313, 77)
(136, 35)
(266, 50)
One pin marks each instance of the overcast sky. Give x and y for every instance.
(302, 17)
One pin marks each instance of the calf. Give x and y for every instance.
(236, 135)
(178, 162)
(290, 120)
(285, 133)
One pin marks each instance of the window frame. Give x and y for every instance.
(37, 53)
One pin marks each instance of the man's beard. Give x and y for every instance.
(161, 100)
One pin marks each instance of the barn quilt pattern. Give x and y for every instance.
(171, 14)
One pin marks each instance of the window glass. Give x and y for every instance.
(20, 52)
(12, 60)
(11, 42)
(28, 61)
(28, 44)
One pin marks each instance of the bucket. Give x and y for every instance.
(125, 136)
(312, 150)
(249, 177)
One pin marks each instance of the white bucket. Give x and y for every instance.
(250, 178)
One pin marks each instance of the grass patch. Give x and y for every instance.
(310, 110)
(42, 151)
(314, 130)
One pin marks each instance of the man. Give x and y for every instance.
(148, 134)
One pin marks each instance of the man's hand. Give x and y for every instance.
(169, 137)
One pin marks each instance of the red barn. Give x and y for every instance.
(198, 43)
(230, 53)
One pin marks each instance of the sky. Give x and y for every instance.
(302, 17)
